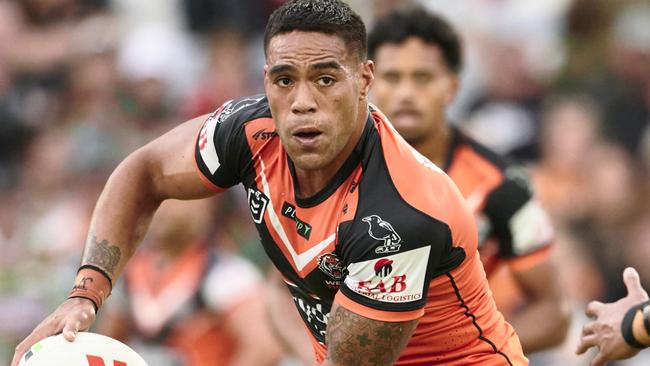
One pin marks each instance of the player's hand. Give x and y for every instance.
(69, 318)
(604, 332)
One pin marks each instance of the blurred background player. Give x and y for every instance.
(184, 302)
(418, 60)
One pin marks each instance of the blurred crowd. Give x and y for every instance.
(563, 85)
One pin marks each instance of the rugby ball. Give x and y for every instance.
(88, 349)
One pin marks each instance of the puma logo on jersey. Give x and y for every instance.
(257, 201)
(383, 230)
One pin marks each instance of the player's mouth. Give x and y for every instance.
(406, 113)
(406, 116)
(307, 136)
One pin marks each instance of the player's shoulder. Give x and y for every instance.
(471, 154)
(402, 160)
(240, 123)
(479, 151)
(419, 182)
(242, 110)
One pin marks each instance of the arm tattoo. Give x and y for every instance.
(358, 341)
(102, 254)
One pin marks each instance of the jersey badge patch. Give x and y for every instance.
(257, 201)
(383, 231)
(332, 266)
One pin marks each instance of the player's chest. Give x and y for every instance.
(303, 232)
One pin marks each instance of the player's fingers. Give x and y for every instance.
(18, 353)
(24, 346)
(598, 360)
(633, 283)
(71, 329)
(586, 342)
(594, 308)
(588, 328)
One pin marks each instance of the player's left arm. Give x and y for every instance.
(544, 321)
(525, 234)
(354, 340)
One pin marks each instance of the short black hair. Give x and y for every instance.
(324, 16)
(432, 29)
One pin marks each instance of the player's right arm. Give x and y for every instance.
(162, 169)
(355, 340)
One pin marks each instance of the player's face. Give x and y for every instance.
(413, 87)
(316, 89)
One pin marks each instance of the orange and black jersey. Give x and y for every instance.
(513, 228)
(390, 236)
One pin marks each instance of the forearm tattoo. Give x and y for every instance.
(358, 341)
(102, 254)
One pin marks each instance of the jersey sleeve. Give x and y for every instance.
(519, 223)
(388, 280)
(221, 148)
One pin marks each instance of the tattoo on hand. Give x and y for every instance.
(103, 255)
(355, 340)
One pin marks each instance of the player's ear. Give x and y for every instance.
(453, 84)
(266, 73)
(367, 76)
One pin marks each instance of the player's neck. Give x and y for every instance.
(311, 182)
(436, 146)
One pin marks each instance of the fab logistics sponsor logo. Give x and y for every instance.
(397, 284)
(397, 278)
(383, 267)
(392, 290)
(303, 228)
(257, 201)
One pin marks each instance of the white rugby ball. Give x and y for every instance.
(88, 349)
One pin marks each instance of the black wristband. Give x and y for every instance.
(87, 298)
(627, 326)
(646, 316)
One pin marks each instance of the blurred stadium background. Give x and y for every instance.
(563, 85)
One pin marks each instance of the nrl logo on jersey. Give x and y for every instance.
(257, 201)
(383, 231)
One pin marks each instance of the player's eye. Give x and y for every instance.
(283, 82)
(422, 78)
(391, 77)
(325, 81)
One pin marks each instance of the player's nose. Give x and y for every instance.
(303, 100)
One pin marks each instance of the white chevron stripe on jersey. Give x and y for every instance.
(302, 259)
